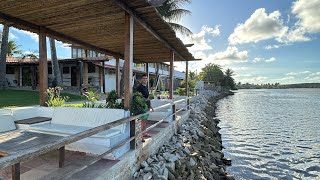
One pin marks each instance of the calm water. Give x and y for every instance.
(272, 134)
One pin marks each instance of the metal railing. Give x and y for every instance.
(15, 159)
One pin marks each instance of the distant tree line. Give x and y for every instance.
(276, 86)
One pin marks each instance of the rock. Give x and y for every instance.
(226, 161)
(192, 162)
(171, 176)
(144, 164)
(135, 175)
(149, 160)
(147, 169)
(229, 177)
(187, 151)
(165, 173)
(147, 176)
(170, 157)
(171, 166)
(200, 134)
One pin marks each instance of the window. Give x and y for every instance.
(91, 68)
(79, 53)
(151, 65)
(66, 70)
(9, 70)
(74, 52)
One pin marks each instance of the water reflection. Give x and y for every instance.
(272, 134)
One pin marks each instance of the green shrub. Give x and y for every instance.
(54, 97)
(112, 101)
(138, 104)
(91, 99)
(181, 91)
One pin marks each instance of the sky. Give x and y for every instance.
(261, 41)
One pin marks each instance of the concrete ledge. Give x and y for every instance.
(130, 162)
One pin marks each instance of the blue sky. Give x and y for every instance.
(262, 41)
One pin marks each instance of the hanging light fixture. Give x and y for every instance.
(156, 3)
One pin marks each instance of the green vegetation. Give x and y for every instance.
(172, 12)
(18, 98)
(112, 101)
(277, 86)
(213, 73)
(54, 97)
(138, 104)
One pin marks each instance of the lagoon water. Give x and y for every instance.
(272, 134)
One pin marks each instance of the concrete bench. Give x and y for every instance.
(67, 121)
(161, 113)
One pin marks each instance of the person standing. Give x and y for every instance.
(143, 89)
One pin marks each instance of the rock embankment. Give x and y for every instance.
(195, 151)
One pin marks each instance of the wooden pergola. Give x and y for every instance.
(132, 30)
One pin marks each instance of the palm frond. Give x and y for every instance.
(183, 30)
(176, 14)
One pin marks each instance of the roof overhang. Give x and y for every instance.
(98, 25)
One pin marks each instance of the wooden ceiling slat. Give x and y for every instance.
(97, 24)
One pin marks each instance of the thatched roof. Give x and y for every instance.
(98, 25)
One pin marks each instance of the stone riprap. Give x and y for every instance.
(195, 151)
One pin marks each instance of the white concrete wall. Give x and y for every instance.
(110, 81)
(11, 78)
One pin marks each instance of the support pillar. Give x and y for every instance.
(171, 74)
(43, 67)
(147, 72)
(128, 57)
(85, 72)
(187, 79)
(118, 77)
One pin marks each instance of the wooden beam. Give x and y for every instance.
(26, 25)
(187, 79)
(43, 67)
(128, 58)
(171, 75)
(188, 45)
(142, 22)
(80, 76)
(118, 77)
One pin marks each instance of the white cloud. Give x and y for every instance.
(231, 53)
(33, 36)
(286, 79)
(260, 26)
(313, 77)
(271, 59)
(253, 79)
(201, 40)
(272, 47)
(298, 73)
(255, 60)
(308, 13)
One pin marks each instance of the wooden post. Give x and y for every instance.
(20, 75)
(85, 72)
(118, 77)
(174, 111)
(43, 67)
(187, 79)
(61, 156)
(16, 171)
(81, 76)
(171, 75)
(128, 57)
(147, 72)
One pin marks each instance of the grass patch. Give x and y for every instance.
(18, 98)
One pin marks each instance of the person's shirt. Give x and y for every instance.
(143, 90)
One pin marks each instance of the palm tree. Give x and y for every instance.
(171, 12)
(13, 49)
(228, 79)
(3, 56)
(56, 80)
